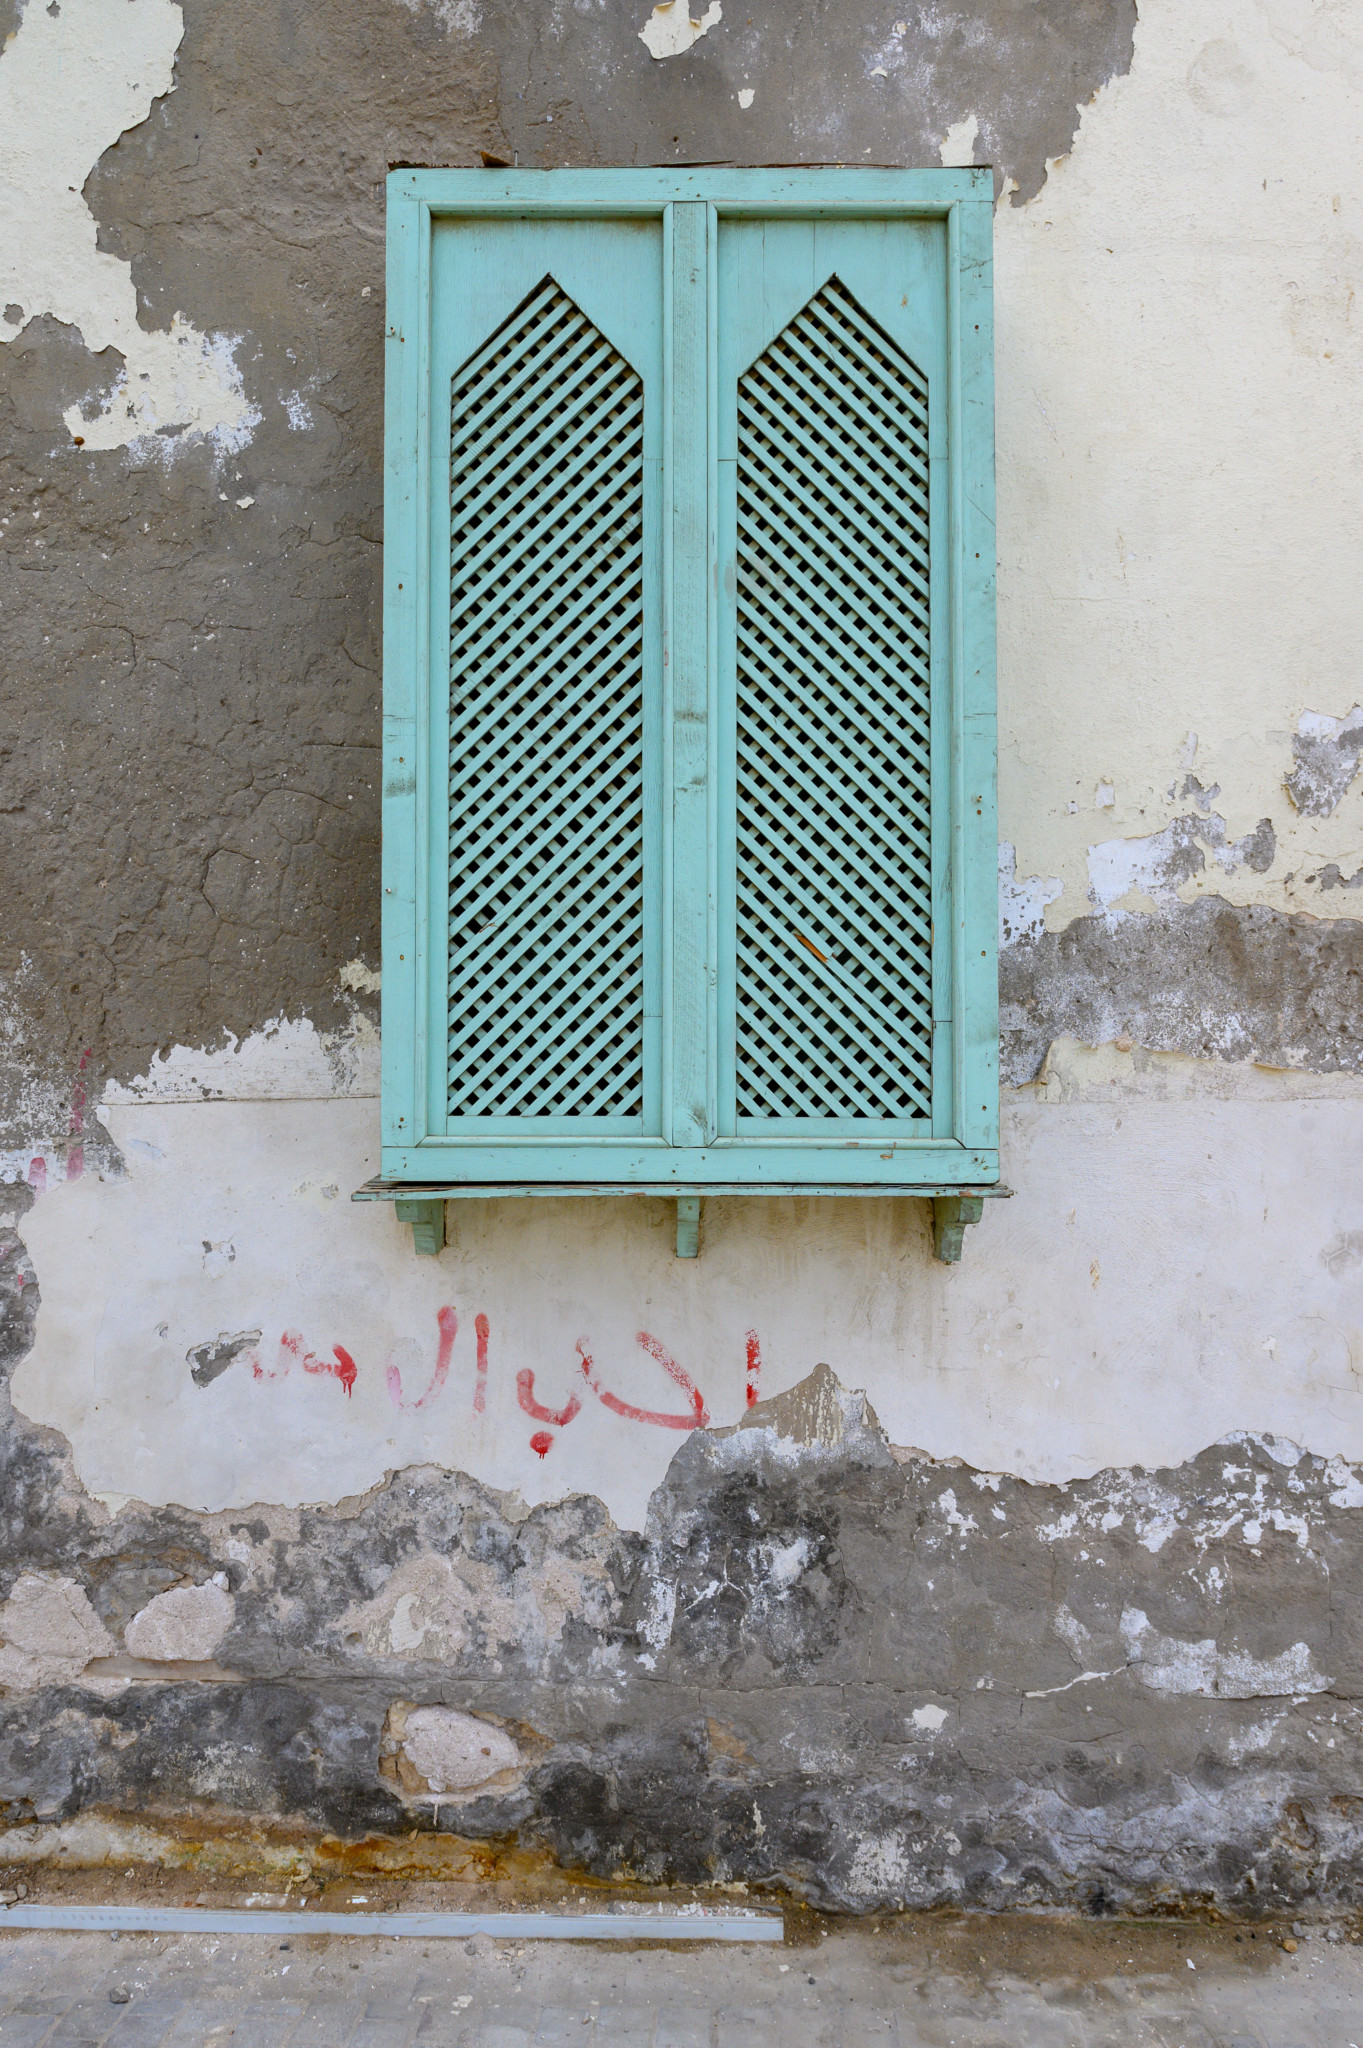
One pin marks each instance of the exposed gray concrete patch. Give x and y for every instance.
(1218, 980)
(207, 1362)
(820, 1415)
(827, 85)
(1332, 877)
(1325, 753)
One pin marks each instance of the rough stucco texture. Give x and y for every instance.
(866, 1677)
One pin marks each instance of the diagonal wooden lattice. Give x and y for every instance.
(834, 885)
(546, 906)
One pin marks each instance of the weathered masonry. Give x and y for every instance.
(811, 1560)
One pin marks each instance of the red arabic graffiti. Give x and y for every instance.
(480, 1326)
(341, 1366)
(525, 1394)
(448, 1323)
(698, 1416)
(292, 1351)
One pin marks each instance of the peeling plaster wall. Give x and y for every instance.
(1180, 363)
(949, 1599)
(221, 1325)
(67, 92)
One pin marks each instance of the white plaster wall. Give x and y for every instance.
(1180, 441)
(1176, 1264)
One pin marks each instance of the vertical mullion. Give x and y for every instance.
(955, 570)
(689, 666)
(948, 846)
(403, 1037)
(435, 784)
(974, 568)
(712, 673)
(429, 949)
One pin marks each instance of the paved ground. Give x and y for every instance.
(958, 1983)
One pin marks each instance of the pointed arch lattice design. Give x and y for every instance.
(546, 768)
(834, 880)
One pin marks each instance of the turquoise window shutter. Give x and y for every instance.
(546, 723)
(832, 789)
(689, 841)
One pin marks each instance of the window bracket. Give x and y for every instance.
(950, 1215)
(953, 1210)
(427, 1218)
(688, 1226)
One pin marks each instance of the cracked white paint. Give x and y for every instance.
(289, 1059)
(671, 29)
(456, 17)
(1022, 899)
(958, 144)
(73, 78)
(1180, 434)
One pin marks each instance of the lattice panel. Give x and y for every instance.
(546, 907)
(834, 887)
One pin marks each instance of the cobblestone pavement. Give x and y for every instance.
(943, 1984)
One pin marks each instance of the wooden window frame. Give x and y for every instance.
(960, 1155)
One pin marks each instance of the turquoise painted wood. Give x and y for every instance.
(689, 842)
(833, 404)
(688, 668)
